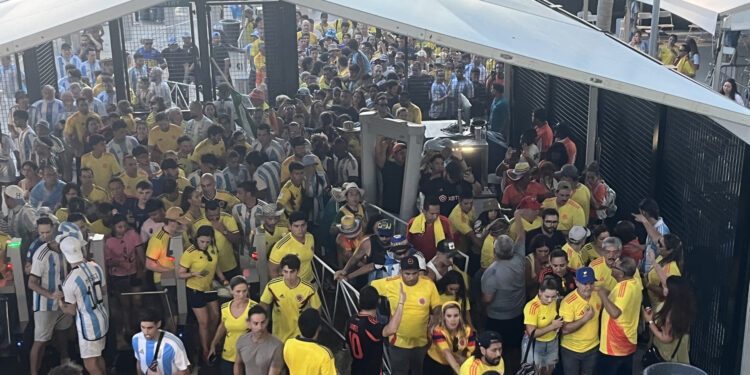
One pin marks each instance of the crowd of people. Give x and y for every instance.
(541, 275)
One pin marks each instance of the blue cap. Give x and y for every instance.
(585, 275)
(331, 33)
(218, 27)
(215, 33)
(186, 34)
(255, 34)
(172, 40)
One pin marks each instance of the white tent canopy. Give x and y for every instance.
(703, 13)
(531, 35)
(27, 23)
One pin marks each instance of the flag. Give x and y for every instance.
(244, 116)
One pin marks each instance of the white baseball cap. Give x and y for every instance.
(71, 249)
(14, 192)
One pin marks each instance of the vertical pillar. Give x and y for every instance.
(97, 253)
(592, 132)
(204, 44)
(740, 342)
(508, 75)
(280, 34)
(122, 86)
(653, 38)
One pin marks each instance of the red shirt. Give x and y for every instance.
(512, 197)
(544, 133)
(598, 192)
(425, 242)
(633, 250)
(570, 148)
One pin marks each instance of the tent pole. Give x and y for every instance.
(716, 80)
(653, 38)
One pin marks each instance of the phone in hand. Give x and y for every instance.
(204, 273)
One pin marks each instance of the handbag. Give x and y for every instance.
(652, 355)
(154, 365)
(526, 367)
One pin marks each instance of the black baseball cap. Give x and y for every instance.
(410, 263)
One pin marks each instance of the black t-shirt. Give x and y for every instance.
(567, 283)
(447, 192)
(175, 63)
(557, 239)
(351, 111)
(365, 337)
(393, 181)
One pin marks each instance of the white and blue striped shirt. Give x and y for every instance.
(268, 176)
(135, 74)
(84, 288)
(9, 81)
(172, 357)
(47, 265)
(88, 69)
(107, 98)
(98, 107)
(61, 62)
(63, 84)
(248, 218)
(120, 149)
(52, 111)
(235, 178)
(274, 150)
(25, 144)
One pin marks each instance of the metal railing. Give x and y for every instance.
(177, 93)
(345, 293)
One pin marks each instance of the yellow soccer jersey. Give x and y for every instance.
(195, 260)
(304, 356)
(105, 167)
(572, 309)
(421, 298)
(287, 304)
(619, 337)
(540, 315)
(304, 251)
(227, 260)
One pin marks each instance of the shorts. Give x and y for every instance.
(46, 322)
(228, 275)
(91, 349)
(197, 299)
(123, 284)
(543, 354)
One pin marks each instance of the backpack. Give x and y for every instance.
(608, 208)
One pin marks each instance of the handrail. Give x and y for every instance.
(386, 213)
(173, 91)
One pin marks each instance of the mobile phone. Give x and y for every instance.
(212, 357)
(204, 273)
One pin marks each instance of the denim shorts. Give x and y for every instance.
(543, 354)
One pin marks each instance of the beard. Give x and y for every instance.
(493, 361)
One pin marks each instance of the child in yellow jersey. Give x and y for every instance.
(542, 325)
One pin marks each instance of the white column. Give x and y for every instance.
(591, 127)
(410, 134)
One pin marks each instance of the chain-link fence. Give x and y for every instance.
(11, 81)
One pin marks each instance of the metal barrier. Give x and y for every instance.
(344, 292)
(177, 91)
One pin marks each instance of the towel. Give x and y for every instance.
(420, 223)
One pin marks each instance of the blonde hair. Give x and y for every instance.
(461, 329)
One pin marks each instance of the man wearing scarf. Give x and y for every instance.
(422, 231)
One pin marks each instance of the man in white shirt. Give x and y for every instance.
(197, 127)
(66, 57)
(48, 108)
(158, 87)
(157, 351)
(45, 280)
(84, 291)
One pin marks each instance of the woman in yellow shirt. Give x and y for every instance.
(233, 324)
(452, 342)
(665, 265)
(542, 324)
(452, 287)
(198, 266)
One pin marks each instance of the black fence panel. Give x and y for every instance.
(530, 90)
(569, 103)
(699, 194)
(626, 128)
